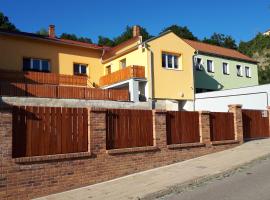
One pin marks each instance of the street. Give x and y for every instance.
(249, 182)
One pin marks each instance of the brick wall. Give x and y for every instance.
(25, 178)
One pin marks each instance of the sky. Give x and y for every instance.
(242, 19)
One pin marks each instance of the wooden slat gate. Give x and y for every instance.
(182, 127)
(221, 126)
(255, 124)
(129, 128)
(47, 131)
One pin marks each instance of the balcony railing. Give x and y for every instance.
(122, 75)
(42, 78)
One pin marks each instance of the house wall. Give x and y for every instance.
(136, 57)
(62, 57)
(220, 81)
(170, 83)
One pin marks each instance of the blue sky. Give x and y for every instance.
(90, 18)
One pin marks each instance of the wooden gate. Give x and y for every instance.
(47, 131)
(129, 128)
(221, 126)
(182, 127)
(255, 124)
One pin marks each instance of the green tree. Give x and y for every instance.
(75, 38)
(221, 40)
(181, 31)
(104, 41)
(264, 75)
(257, 44)
(126, 35)
(43, 32)
(5, 24)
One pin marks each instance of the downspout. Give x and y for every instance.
(194, 76)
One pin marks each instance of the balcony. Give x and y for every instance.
(122, 75)
(42, 78)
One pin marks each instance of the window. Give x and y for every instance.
(225, 68)
(239, 70)
(123, 63)
(210, 66)
(33, 64)
(248, 72)
(80, 69)
(170, 61)
(198, 64)
(108, 69)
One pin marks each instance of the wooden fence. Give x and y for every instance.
(42, 78)
(221, 126)
(255, 124)
(129, 128)
(182, 127)
(67, 92)
(46, 131)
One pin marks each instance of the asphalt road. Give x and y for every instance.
(251, 182)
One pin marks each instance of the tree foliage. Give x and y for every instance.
(221, 40)
(181, 31)
(43, 32)
(126, 35)
(257, 44)
(6, 24)
(75, 38)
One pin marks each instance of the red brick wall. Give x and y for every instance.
(34, 177)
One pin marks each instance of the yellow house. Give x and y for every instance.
(22, 51)
(159, 69)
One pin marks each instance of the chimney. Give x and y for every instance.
(136, 31)
(51, 31)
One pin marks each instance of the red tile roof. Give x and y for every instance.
(216, 50)
(59, 40)
(110, 52)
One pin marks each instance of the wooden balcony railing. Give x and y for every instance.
(122, 75)
(42, 78)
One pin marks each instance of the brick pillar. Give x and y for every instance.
(204, 125)
(5, 149)
(236, 109)
(159, 129)
(98, 131)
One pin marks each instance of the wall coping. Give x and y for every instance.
(204, 112)
(45, 158)
(185, 145)
(235, 105)
(223, 142)
(131, 150)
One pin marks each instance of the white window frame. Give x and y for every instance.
(173, 64)
(213, 67)
(227, 68)
(241, 71)
(249, 71)
(200, 67)
(40, 63)
(80, 68)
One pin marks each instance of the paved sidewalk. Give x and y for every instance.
(142, 184)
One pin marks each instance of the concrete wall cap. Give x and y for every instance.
(235, 105)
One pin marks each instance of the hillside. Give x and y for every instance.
(259, 49)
